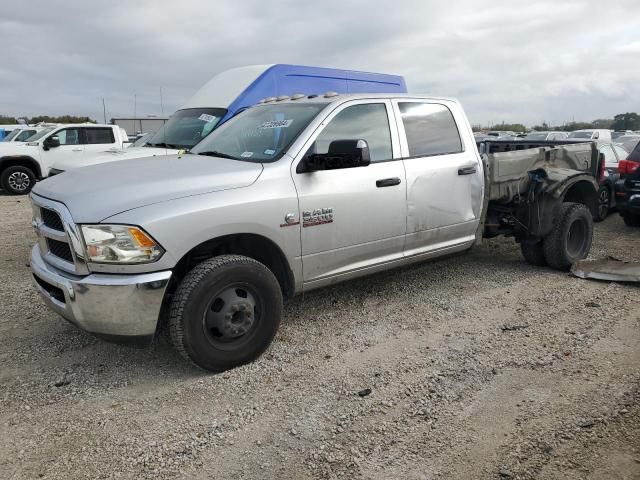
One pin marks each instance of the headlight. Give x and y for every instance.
(119, 244)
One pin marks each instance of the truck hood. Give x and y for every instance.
(112, 156)
(101, 191)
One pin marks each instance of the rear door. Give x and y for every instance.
(98, 139)
(352, 218)
(444, 175)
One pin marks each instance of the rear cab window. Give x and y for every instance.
(99, 135)
(430, 129)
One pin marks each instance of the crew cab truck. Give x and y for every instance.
(289, 196)
(233, 91)
(21, 164)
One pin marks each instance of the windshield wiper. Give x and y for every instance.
(163, 145)
(215, 153)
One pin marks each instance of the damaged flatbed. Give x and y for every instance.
(544, 195)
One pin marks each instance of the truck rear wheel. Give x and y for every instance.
(17, 180)
(631, 220)
(570, 238)
(225, 312)
(533, 253)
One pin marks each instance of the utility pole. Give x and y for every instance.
(104, 111)
(135, 111)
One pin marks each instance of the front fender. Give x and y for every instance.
(25, 160)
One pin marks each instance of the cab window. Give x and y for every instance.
(367, 122)
(68, 136)
(430, 129)
(99, 136)
(24, 135)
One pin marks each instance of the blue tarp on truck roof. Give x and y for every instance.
(282, 79)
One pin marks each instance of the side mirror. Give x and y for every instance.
(51, 142)
(341, 154)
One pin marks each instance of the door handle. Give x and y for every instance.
(76, 149)
(467, 170)
(387, 182)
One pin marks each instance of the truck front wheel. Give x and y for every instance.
(17, 180)
(225, 312)
(570, 238)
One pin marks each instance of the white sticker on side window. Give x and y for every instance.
(277, 124)
(206, 118)
(246, 154)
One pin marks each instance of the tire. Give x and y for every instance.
(604, 204)
(570, 238)
(17, 180)
(631, 220)
(225, 312)
(533, 253)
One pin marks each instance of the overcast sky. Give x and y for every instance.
(505, 60)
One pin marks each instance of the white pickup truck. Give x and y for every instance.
(288, 196)
(21, 164)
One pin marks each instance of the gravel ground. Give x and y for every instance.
(416, 373)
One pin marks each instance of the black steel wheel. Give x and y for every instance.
(225, 312)
(570, 238)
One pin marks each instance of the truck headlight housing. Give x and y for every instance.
(119, 244)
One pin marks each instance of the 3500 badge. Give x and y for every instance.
(319, 216)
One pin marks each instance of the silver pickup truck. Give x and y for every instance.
(291, 195)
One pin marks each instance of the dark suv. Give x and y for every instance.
(628, 195)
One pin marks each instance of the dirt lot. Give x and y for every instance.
(455, 393)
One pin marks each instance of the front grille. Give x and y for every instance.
(60, 249)
(51, 219)
(52, 290)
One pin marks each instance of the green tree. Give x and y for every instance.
(571, 126)
(626, 121)
(7, 120)
(602, 123)
(509, 127)
(60, 119)
(542, 128)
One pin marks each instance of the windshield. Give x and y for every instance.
(40, 134)
(580, 134)
(186, 127)
(12, 135)
(260, 134)
(536, 136)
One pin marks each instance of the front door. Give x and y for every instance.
(352, 218)
(71, 148)
(444, 176)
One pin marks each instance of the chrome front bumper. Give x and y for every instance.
(115, 307)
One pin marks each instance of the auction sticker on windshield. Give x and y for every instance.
(277, 124)
(206, 118)
(247, 154)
